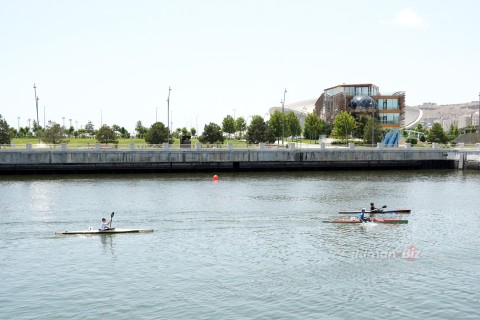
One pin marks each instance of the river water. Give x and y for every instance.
(249, 246)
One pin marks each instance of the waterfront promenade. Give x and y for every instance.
(198, 158)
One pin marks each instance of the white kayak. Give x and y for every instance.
(111, 231)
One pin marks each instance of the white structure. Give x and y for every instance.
(300, 108)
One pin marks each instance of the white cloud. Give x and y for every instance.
(408, 18)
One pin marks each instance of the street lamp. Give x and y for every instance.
(283, 115)
(18, 123)
(36, 101)
(168, 112)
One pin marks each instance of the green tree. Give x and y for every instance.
(259, 131)
(5, 134)
(436, 134)
(140, 129)
(106, 135)
(343, 125)
(453, 133)
(372, 132)
(240, 125)
(228, 125)
(420, 128)
(193, 131)
(157, 134)
(314, 126)
(212, 133)
(361, 122)
(54, 133)
(276, 125)
(90, 129)
(293, 128)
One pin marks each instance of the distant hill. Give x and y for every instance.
(436, 112)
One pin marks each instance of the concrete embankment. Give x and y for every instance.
(216, 160)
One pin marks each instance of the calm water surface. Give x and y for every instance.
(250, 246)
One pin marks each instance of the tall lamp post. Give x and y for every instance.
(168, 112)
(36, 104)
(283, 116)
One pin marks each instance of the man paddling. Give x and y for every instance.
(362, 216)
(104, 226)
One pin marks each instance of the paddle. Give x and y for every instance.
(111, 219)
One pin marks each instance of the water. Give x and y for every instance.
(250, 246)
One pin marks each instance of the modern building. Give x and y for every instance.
(388, 108)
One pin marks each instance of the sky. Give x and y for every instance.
(112, 62)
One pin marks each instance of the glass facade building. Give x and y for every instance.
(389, 109)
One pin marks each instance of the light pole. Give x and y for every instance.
(36, 101)
(43, 117)
(196, 124)
(168, 112)
(156, 111)
(63, 118)
(283, 116)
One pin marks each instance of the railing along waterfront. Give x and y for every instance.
(228, 146)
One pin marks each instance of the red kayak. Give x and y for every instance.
(357, 220)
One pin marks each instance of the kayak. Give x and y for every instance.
(356, 220)
(402, 211)
(112, 231)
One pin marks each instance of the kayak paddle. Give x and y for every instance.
(111, 218)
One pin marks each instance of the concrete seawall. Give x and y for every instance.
(216, 160)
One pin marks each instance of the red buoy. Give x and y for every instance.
(215, 178)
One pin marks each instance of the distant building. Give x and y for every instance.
(475, 119)
(389, 109)
(464, 121)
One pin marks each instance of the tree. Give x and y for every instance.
(240, 125)
(212, 133)
(314, 126)
(372, 132)
(141, 130)
(276, 125)
(228, 125)
(258, 131)
(157, 134)
(193, 131)
(89, 128)
(292, 123)
(54, 133)
(5, 134)
(106, 135)
(436, 134)
(453, 133)
(343, 124)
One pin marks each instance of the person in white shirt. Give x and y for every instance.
(105, 225)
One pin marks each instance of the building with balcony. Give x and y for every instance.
(388, 108)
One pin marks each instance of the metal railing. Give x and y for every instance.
(229, 146)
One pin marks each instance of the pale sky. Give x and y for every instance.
(113, 61)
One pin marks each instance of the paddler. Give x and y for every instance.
(372, 207)
(362, 216)
(105, 225)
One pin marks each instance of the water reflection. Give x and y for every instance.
(107, 242)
